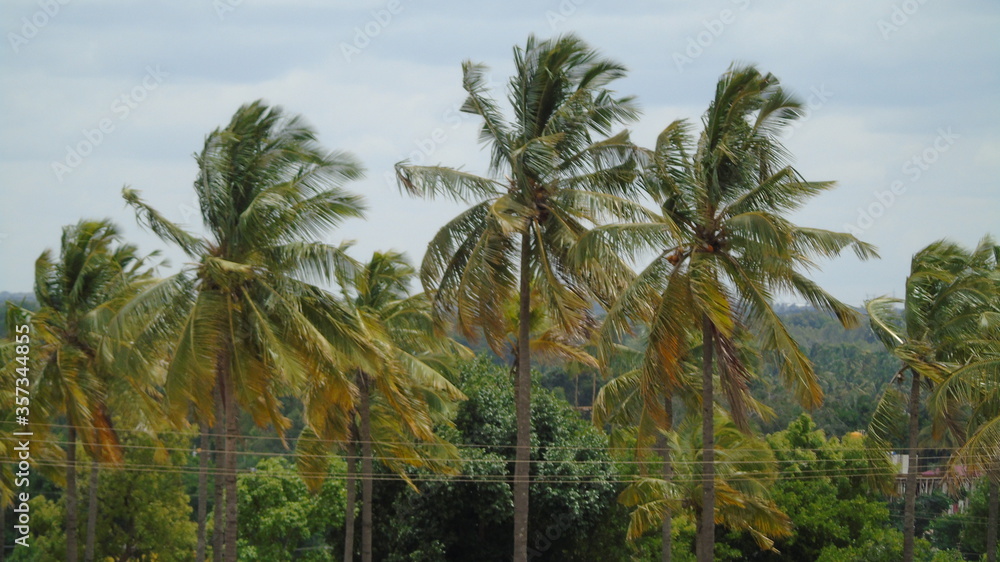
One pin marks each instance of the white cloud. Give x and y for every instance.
(396, 99)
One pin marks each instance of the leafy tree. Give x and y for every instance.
(826, 487)
(744, 473)
(145, 514)
(281, 520)
(974, 383)
(251, 325)
(723, 250)
(462, 518)
(966, 531)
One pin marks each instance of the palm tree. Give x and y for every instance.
(79, 293)
(938, 331)
(549, 181)
(622, 404)
(723, 249)
(972, 339)
(254, 327)
(406, 396)
(745, 471)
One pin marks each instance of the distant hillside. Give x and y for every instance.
(26, 300)
(852, 365)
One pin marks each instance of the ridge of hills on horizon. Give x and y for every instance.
(852, 366)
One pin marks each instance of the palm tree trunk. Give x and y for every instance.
(218, 534)
(706, 527)
(71, 549)
(993, 521)
(232, 431)
(522, 457)
(206, 445)
(666, 552)
(352, 491)
(366, 471)
(88, 552)
(909, 508)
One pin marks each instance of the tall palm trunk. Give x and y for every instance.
(910, 503)
(593, 389)
(206, 445)
(232, 430)
(366, 470)
(706, 527)
(88, 552)
(666, 552)
(352, 491)
(3, 533)
(993, 521)
(71, 553)
(218, 535)
(522, 456)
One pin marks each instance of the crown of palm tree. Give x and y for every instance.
(722, 248)
(265, 189)
(550, 179)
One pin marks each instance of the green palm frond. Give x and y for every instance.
(162, 227)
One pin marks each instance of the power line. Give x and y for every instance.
(248, 437)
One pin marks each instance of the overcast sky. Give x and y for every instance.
(904, 98)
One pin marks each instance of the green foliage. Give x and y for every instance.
(280, 520)
(964, 531)
(48, 539)
(22, 300)
(143, 512)
(823, 486)
(883, 545)
(573, 512)
(851, 375)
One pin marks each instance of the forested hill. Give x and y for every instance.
(852, 366)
